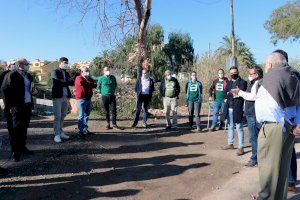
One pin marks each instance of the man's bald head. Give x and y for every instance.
(275, 60)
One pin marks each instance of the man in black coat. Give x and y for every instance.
(61, 93)
(17, 92)
(233, 110)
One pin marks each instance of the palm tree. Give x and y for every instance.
(243, 52)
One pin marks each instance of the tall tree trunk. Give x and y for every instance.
(143, 14)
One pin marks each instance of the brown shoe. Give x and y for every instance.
(240, 151)
(292, 187)
(227, 147)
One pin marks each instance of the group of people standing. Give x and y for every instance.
(270, 104)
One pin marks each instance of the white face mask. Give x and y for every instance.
(193, 78)
(107, 73)
(250, 78)
(169, 77)
(26, 68)
(64, 66)
(145, 76)
(13, 68)
(86, 74)
(221, 76)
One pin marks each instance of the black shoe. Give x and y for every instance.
(108, 127)
(88, 132)
(168, 127)
(27, 152)
(133, 125)
(81, 133)
(3, 171)
(17, 157)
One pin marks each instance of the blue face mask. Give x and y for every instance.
(169, 77)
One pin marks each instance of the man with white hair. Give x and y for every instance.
(277, 108)
(18, 102)
(170, 90)
(84, 85)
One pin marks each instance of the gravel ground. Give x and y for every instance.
(139, 163)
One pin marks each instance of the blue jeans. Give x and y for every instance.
(293, 168)
(216, 108)
(253, 136)
(239, 128)
(84, 109)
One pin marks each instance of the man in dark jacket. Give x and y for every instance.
(170, 90)
(255, 80)
(61, 81)
(144, 88)
(233, 110)
(16, 88)
(216, 93)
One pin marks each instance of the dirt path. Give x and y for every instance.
(131, 164)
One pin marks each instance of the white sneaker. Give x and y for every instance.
(64, 136)
(57, 139)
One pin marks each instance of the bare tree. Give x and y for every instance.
(115, 19)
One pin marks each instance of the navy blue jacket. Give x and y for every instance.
(138, 86)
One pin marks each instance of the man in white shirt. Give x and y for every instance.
(277, 107)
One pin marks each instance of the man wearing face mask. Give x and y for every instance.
(233, 110)
(216, 92)
(170, 90)
(194, 97)
(84, 85)
(18, 102)
(107, 85)
(61, 81)
(144, 88)
(277, 107)
(255, 81)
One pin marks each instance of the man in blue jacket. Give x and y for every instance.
(194, 99)
(144, 88)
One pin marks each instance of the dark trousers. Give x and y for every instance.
(143, 101)
(194, 108)
(293, 168)
(17, 126)
(109, 103)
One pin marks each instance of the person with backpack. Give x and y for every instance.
(194, 99)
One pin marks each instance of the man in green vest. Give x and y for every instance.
(170, 90)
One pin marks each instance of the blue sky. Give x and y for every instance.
(33, 29)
